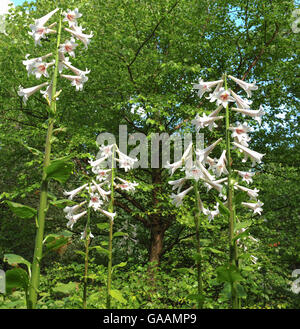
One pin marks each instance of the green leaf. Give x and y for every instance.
(241, 292)
(122, 264)
(65, 288)
(223, 209)
(228, 273)
(116, 294)
(20, 210)
(55, 241)
(116, 234)
(14, 260)
(16, 278)
(60, 170)
(244, 224)
(100, 249)
(103, 226)
(62, 203)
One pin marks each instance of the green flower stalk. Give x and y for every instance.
(224, 166)
(38, 67)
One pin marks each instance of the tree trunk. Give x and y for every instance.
(156, 242)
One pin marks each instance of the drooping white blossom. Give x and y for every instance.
(95, 201)
(248, 87)
(27, 92)
(205, 121)
(72, 193)
(253, 194)
(68, 47)
(255, 156)
(205, 86)
(246, 176)
(76, 31)
(256, 207)
(240, 102)
(256, 114)
(71, 16)
(202, 154)
(223, 97)
(125, 185)
(240, 134)
(177, 184)
(177, 199)
(76, 80)
(73, 219)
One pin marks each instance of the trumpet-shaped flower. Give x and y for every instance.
(100, 190)
(193, 172)
(75, 70)
(213, 96)
(83, 235)
(223, 97)
(76, 80)
(70, 211)
(125, 185)
(110, 215)
(40, 68)
(73, 219)
(177, 184)
(125, 161)
(174, 166)
(39, 33)
(95, 201)
(205, 121)
(220, 167)
(240, 102)
(102, 174)
(255, 156)
(205, 86)
(202, 154)
(77, 33)
(253, 194)
(27, 92)
(246, 176)
(177, 199)
(68, 47)
(71, 194)
(256, 207)
(43, 20)
(71, 16)
(248, 87)
(31, 63)
(240, 133)
(256, 114)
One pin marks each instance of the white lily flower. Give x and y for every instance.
(76, 80)
(71, 16)
(193, 172)
(202, 154)
(295, 285)
(246, 86)
(177, 199)
(25, 93)
(48, 93)
(240, 133)
(102, 174)
(223, 97)
(71, 210)
(211, 214)
(253, 194)
(211, 162)
(43, 20)
(110, 215)
(220, 167)
(213, 96)
(127, 186)
(39, 33)
(214, 184)
(256, 114)
(75, 70)
(204, 171)
(205, 86)
(97, 162)
(69, 47)
(255, 156)
(125, 161)
(77, 33)
(256, 207)
(100, 190)
(40, 68)
(31, 63)
(246, 176)
(74, 219)
(240, 102)
(71, 194)
(205, 121)
(177, 184)
(95, 201)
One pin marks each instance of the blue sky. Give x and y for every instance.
(17, 2)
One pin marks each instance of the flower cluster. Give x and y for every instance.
(97, 192)
(213, 171)
(38, 66)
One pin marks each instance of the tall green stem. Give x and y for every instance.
(110, 237)
(230, 194)
(38, 250)
(86, 258)
(198, 247)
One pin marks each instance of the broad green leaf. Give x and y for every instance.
(241, 292)
(55, 241)
(103, 226)
(122, 264)
(62, 203)
(65, 288)
(14, 260)
(16, 278)
(116, 234)
(228, 273)
(244, 224)
(116, 294)
(20, 210)
(60, 170)
(100, 249)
